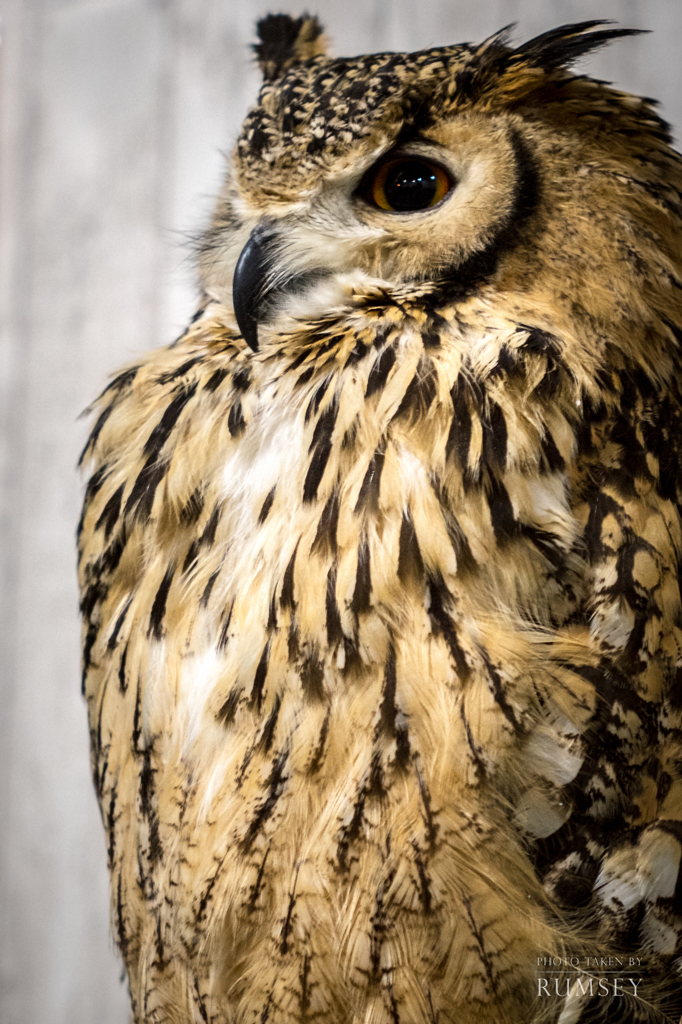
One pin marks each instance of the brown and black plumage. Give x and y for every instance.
(380, 560)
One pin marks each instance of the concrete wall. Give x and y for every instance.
(113, 114)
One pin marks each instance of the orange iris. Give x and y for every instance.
(407, 184)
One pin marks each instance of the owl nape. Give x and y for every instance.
(380, 561)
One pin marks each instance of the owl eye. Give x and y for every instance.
(407, 184)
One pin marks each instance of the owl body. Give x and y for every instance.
(380, 560)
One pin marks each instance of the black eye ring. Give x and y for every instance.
(405, 184)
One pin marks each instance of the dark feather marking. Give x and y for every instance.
(200, 913)
(497, 690)
(295, 363)
(431, 339)
(317, 396)
(113, 639)
(215, 380)
(180, 371)
(121, 381)
(420, 392)
(163, 428)
(121, 937)
(388, 713)
(229, 708)
(137, 714)
(324, 427)
(293, 646)
(267, 505)
(200, 1002)
(109, 560)
(459, 436)
(334, 631)
(122, 678)
(410, 562)
(316, 760)
(460, 545)
(549, 385)
(205, 597)
(256, 698)
(159, 607)
(191, 556)
(96, 431)
(110, 512)
(305, 985)
(268, 734)
(494, 437)
(191, 512)
(479, 766)
(442, 624)
(349, 438)
(349, 833)
(208, 536)
(325, 538)
(288, 920)
(147, 808)
(363, 580)
(501, 512)
(424, 887)
(539, 341)
(95, 482)
(275, 783)
(287, 596)
(320, 446)
(312, 678)
(368, 498)
(480, 945)
(387, 708)
(265, 1013)
(353, 662)
(553, 457)
(602, 505)
(358, 352)
(141, 498)
(235, 419)
(88, 644)
(272, 615)
(318, 464)
(100, 775)
(160, 963)
(93, 595)
(505, 365)
(101, 768)
(241, 379)
(380, 371)
(257, 887)
(546, 543)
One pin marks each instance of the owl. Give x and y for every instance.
(380, 560)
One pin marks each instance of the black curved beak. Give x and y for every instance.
(250, 286)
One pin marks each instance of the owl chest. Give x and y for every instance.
(334, 518)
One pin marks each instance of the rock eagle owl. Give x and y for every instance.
(380, 560)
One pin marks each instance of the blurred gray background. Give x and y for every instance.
(113, 116)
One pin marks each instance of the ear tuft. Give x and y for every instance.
(562, 46)
(285, 41)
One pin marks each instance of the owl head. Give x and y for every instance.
(479, 177)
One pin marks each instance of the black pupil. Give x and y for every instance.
(410, 185)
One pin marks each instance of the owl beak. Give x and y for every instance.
(250, 284)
